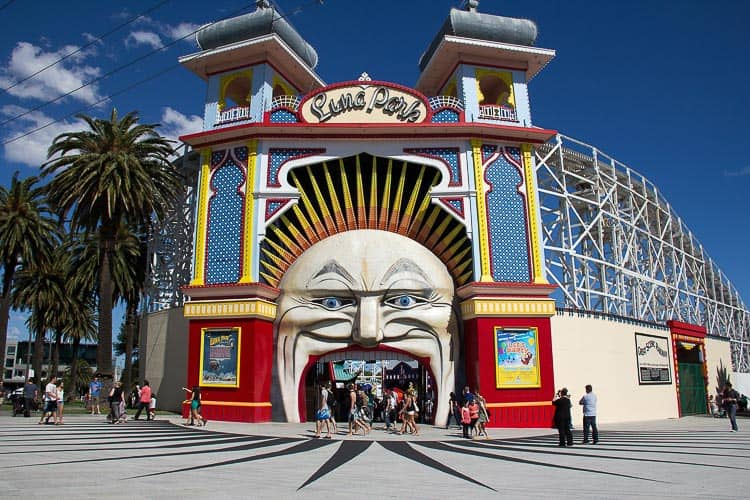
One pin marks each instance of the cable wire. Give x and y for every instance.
(110, 73)
(86, 46)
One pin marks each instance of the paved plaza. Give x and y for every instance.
(693, 457)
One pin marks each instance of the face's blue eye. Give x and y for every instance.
(404, 301)
(333, 303)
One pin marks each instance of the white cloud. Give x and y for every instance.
(32, 149)
(175, 124)
(143, 38)
(14, 332)
(738, 173)
(60, 79)
(182, 30)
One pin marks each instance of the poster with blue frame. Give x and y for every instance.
(516, 358)
(220, 366)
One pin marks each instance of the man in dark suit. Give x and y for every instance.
(562, 416)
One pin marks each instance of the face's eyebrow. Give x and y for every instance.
(333, 267)
(405, 266)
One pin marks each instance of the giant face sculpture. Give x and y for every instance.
(370, 288)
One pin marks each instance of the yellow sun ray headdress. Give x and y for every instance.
(365, 192)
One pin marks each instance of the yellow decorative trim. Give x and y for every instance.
(515, 405)
(288, 90)
(484, 242)
(249, 223)
(232, 403)
(257, 308)
(507, 79)
(204, 192)
(224, 84)
(474, 308)
(532, 209)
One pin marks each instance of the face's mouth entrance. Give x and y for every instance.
(374, 371)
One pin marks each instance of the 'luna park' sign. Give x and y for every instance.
(357, 103)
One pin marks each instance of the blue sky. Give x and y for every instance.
(662, 86)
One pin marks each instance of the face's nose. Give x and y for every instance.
(366, 330)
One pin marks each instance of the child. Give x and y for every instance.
(466, 419)
(152, 407)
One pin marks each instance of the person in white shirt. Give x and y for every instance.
(60, 403)
(50, 398)
(589, 415)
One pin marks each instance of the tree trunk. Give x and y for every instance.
(131, 324)
(38, 356)
(106, 290)
(8, 271)
(74, 367)
(56, 354)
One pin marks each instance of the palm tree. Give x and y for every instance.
(117, 173)
(41, 289)
(27, 231)
(81, 326)
(128, 270)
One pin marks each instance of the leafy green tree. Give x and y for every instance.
(117, 173)
(28, 231)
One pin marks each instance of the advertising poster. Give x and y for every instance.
(652, 354)
(517, 358)
(220, 357)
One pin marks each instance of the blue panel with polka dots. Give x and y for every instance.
(277, 158)
(449, 156)
(223, 257)
(283, 116)
(507, 218)
(445, 116)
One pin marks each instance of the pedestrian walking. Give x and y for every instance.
(729, 399)
(30, 395)
(195, 405)
(323, 415)
(94, 395)
(466, 419)
(60, 403)
(115, 398)
(589, 415)
(144, 401)
(484, 416)
(50, 401)
(454, 409)
(563, 406)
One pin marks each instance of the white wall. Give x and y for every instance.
(718, 352)
(600, 352)
(741, 382)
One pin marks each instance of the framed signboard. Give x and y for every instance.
(652, 355)
(516, 358)
(220, 361)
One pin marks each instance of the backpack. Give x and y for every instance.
(331, 399)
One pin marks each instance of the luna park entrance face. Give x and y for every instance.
(372, 373)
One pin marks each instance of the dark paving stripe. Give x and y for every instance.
(435, 445)
(270, 441)
(302, 447)
(405, 450)
(555, 451)
(347, 452)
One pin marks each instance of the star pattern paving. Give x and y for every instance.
(165, 444)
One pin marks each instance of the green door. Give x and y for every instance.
(692, 389)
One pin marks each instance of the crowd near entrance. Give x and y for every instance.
(376, 378)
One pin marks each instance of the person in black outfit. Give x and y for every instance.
(562, 416)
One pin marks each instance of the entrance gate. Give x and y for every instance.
(692, 389)
(372, 371)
